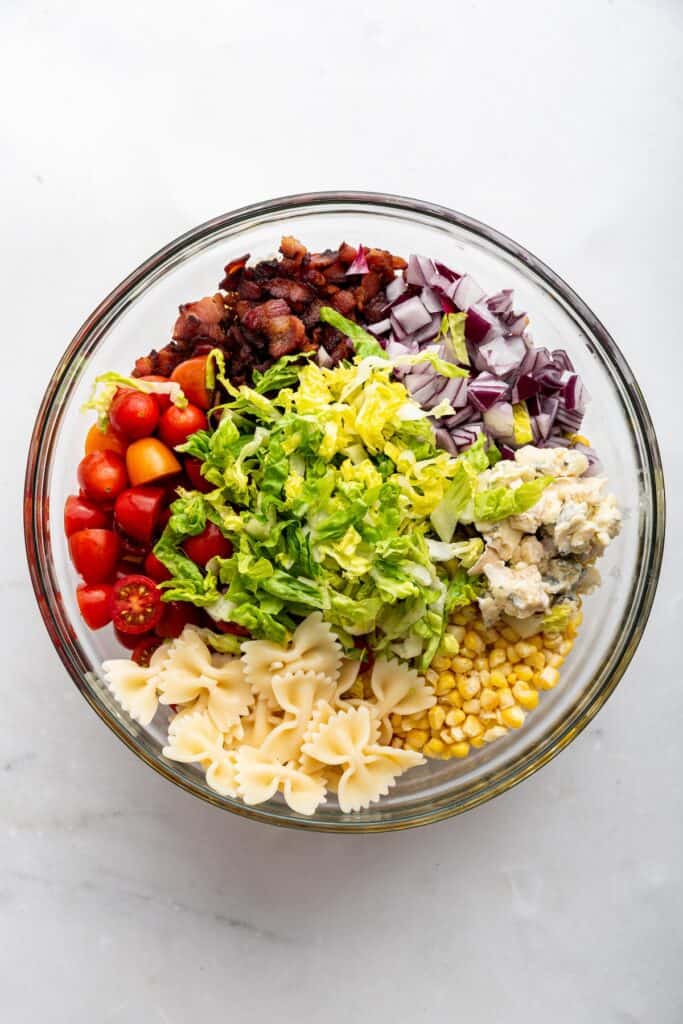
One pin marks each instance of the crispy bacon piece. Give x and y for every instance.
(232, 272)
(286, 334)
(343, 302)
(201, 319)
(256, 316)
(294, 292)
(292, 248)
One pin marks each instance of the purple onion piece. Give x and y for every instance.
(525, 386)
(506, 452)
(467, 293)
(502, 356)
(561, 359)
(381, 327)
(467, 435)
(360, 263)
(499, 421)
(323, 358)
(419, 270)
(485, 391)
(444, 440)
(501, 302)
(478, 324)
(430, 300)
(446, 272)
(410, 316)
(395, 288)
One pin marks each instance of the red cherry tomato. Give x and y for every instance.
(231, 627)
(192, 468)
(162, 400)
(102, 475)
(134, 414)
(137, 511)
(94, 554)
(81, 514)
(143, 651)
(127, 641)
(205, 545)
(155, 569)
(94, 604)
(176, 425)
(175, 616)
(191, 375)
(136, 605)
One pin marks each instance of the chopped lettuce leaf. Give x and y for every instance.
(463, 590)
(443, 368)
(365, 344)
(521, 419)
(452, 335)
(557, 619)
(496, 503)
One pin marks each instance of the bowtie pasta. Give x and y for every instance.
(296, 719)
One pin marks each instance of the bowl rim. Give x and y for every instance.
(36, 537)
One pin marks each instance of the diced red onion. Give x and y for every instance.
(444, 440)
(501, 302)
(573, 394)
(446, 271)
(467, 293)
(517, 324)
(455, 392)
(466, 436)
(360, 263)
(419, 270)
(395, 288)
(506, 452)
(502, 356)
(485, 391)
(569, 420)
(381, 327)
(499, 420)
(433, 386)
(410, 316)
(534, 361)
(561, 359)
(323, 358)
(429, 331)
(430, 300)
(478, 324)
(525, 386)
(447, 304)
(595, 467)
(543, 424)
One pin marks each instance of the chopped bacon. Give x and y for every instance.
(286, 334)
(201, 319)
(368, 288)
(343, 302)
(293, 291)
(347, 254)
(292, 248)
(256, 316)
(250, 290)
(232, 271)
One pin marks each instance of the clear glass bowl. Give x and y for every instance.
(139, 314)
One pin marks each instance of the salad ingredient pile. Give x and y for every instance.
(344, 521)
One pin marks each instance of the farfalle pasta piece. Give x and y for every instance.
(296, 693)
(399, 690)
(194, 738)
(135, 687)
(347, 741)
(313, 648)
(260, 776)
(260, 721)
(191, 669)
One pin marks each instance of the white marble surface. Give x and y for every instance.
(122, 899)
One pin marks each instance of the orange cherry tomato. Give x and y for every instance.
(191, 375)
(150, 459)
(108, 440)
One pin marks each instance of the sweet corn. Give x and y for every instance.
(459, 749)
(440, 663)
(462, 665)
(524, 673)
(497, 679)
(445, 682)
(488, 699)
(513, 717)
(473, 642)
(436, 716)
(477, 741)
(548, 678)
(434, 748)
(525, 696)
(416, 739)
(472, 727)
(469, 688)
(453, 698)
(481, 664)
(505, 698)
(455, 717)
(536, 660)
(494, 733)
(457, 734)
(471, 707)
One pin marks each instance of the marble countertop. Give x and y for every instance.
(123, 899)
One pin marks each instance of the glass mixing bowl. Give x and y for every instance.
(139, 315)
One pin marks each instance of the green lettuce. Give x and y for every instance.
(365, 344)
(452, 335)
(496, 503)
(522, 424)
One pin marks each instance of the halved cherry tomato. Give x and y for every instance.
(175, 616)
(102, 475)
(150, 460)
(142, 652)
(81, 514)
(155, 569)
(136, 605)
(206, 544)
(134, 414)
(176, 425)
(94, 554)
(126, 640)
(94, 604)
(193, 469)
(97, 440)
(191, 375)
(137, 510)
(162, 400)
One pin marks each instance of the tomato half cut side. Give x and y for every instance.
(143, 651)
(175, 616)
(137, 510)
(81, 514)
(136, 605)
(191, 375)
(104, 441)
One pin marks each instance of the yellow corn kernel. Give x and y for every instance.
(509, 635)
(548, 678)
(490, 636)
(459, 749)
(526, 698)
(461, 665)
(449, 646)
(497, 679)
(445, 682)
(469, 688)
(473, 642)
(457, 735)
(565, 648)
(487, 716)
(494, 733)
(445, 735)
(441, 663)
(552, 641)
(524, 649)
(434, 748)
(506, 668)
(477, 741)
(524, 673)
(436, 716)
(397, 742)
(512, 655)
(471, 707)
(472, 727)
(459, 619)
(416, 739)
(484, 676)
(454, 699)
(396, 721)
(536, 660)
(511, 678)
(554, 660)
(513, 717)
(488, 699)
(420, 721)
(481, 664)
(505, 698)
(431, 676)
(455, 717)
(457, 631)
